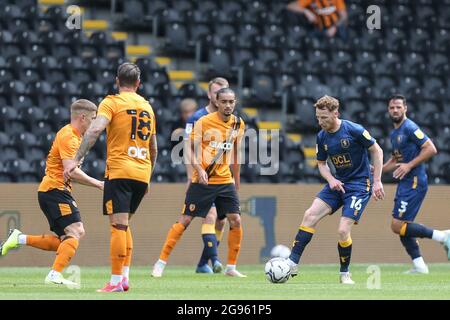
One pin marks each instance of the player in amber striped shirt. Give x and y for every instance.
(214, 140)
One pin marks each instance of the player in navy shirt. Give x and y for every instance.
(411, 148)
(347, 145)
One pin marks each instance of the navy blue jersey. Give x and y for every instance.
(407, 141)
(192, 119)
(347, 150)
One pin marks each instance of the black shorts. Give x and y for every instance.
(122, 195)
(200, 198)
(60, 209)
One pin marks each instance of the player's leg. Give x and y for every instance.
(139, 190)
(227, 203)
(234, 244)
(48, 204)
(316, 212)
(407, 205)
(65, 252)
(220, 226)
(127, 262)
(209, 242)
(173, 236)
(345, 249)
(355, 200)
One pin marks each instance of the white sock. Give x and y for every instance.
(53, 274)
(126, 272)
(115, 279)
(22, 239)
(231, 267)
(439, 236)
(419, 263)
(162, 262)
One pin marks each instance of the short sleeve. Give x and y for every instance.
(68, 146)
(196, 134)
(106, 108)
(189, 127)
(304, 3)
(321, 153)
(340, 5)
(417, 136)
(362, 136)
(241, 132)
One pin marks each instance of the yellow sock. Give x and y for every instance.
(66, 251)
(44, 242)
(175, 233)
(234, 244)
(219, 235)
(118, 248)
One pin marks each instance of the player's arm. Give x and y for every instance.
(325, 172)
(187, 155)
(427, 150)
(342, 11)
(196, 162)
(236, 166)
(79, 176)
(153, 151)
(297, 8)
(390, 165)
(376, 154)
(91, 135)
(89, 138)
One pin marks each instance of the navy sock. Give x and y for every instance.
(303, 237)
(414, 230)
(209, 249)
(411, 246)
(345, 254)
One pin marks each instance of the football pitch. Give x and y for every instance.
(181, 283)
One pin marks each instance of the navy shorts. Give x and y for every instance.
(60, 209)
(353, 201)
(200, 198)
(408, 199)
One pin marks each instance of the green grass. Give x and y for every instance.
(313, 282)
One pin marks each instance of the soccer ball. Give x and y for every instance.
(280, 251)
(277, 270)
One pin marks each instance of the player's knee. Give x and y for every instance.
(395, 227)
(185, 220)
(220, 224)
(235, 221)
(309, 218)
(344, 233)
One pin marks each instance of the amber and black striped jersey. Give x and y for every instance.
(326, 11)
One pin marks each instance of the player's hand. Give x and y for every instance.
(68, 169)
(331, 32)
(202, 177)
(378, 190)
(337, 185)
(101, 185)
(402, 170)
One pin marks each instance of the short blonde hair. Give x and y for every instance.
(82, 106)
(327, 102)
(220, 81)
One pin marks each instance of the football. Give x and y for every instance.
(280, 251)
(277, 270)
